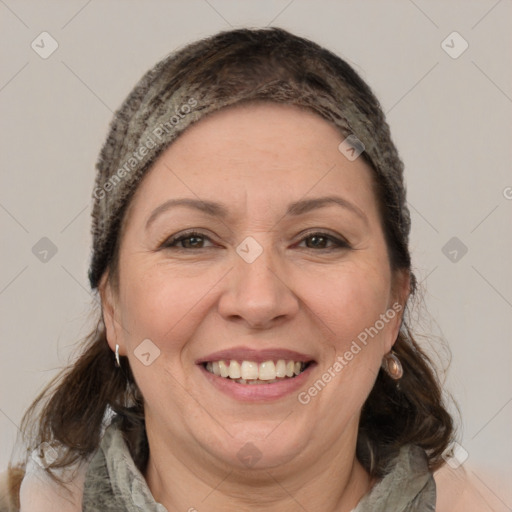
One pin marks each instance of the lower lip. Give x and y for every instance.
(258, 392)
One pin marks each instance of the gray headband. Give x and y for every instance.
(178, 91)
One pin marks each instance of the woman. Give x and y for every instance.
(251, 255)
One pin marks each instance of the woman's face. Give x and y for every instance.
(254, 285)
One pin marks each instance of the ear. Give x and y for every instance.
(108, 308)
(400, 292)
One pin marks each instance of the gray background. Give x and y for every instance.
(450, 118)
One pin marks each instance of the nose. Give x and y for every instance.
(258, 293)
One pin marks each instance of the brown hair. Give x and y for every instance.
(75, 403)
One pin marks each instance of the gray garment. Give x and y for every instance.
(114, 484)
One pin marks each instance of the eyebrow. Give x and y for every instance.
(218, 210)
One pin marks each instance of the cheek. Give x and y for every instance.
(351, 304)
(348, 300)
(167, 301)
(159, 307)
(163, 304)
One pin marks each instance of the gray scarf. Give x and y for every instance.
(114, 484)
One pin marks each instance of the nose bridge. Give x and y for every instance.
(257, 261)
(257, 292)
(256, 269)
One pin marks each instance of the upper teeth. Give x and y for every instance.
(268, 370)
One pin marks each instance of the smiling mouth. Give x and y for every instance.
(251, 372)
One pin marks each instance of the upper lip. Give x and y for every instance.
(258, 356)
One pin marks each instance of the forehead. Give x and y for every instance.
(258, 129)
(260, 151)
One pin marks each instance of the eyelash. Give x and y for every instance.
(170, 242)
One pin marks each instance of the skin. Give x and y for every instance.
(471, 489)
(191, 300)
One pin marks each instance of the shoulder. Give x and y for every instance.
(40, 493)
(466, 490)
(9, 488)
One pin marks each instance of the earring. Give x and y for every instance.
(118, 363)
(392, 366)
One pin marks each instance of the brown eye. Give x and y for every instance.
(190, 240)
(196, 240)
(320, 240)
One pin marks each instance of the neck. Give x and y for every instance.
(181, 480)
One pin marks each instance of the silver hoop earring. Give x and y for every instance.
(392, 366)
(118, 363)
